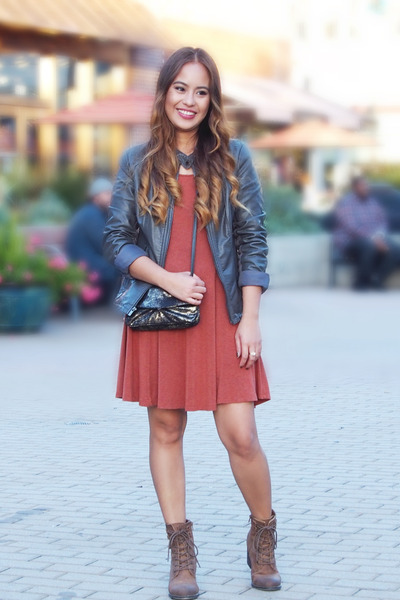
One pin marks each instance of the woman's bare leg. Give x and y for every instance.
(166, 461)
(237, 430)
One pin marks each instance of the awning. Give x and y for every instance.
(128, 108)
(279, 103)
(119, 20)
(313, 134)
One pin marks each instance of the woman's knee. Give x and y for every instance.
(243, 444)
(167, 426)
(237, 429)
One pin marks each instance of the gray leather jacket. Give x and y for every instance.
(238, 245)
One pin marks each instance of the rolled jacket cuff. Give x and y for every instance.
(254, 278)
(127, 255)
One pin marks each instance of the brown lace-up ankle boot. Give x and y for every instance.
(182, 581)
(261, 543)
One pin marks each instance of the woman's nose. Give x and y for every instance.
(189, 99)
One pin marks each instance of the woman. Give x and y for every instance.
(191, 167)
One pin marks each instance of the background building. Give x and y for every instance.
(67, 54)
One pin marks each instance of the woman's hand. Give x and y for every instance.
(248, 333)
(248, 341)
(184, 286)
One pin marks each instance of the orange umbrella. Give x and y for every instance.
(313, 134)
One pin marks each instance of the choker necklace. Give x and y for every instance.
(186, 160)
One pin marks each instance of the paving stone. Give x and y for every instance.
(79, 514)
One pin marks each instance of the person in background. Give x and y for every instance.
(361, 234)
(84, 241)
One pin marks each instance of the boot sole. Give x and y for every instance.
(192, 597)
(184, 597)
(264, 589)
(270, 589)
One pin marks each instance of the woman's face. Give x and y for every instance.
(188, 98)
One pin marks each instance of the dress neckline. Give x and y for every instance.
(186, 160)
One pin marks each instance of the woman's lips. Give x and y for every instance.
(186, 114)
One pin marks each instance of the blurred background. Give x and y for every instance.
(309, 85)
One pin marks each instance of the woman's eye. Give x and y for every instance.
(179, 88)
(202, 92)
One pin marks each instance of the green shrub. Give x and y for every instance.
(48, 210)
(29, 189)
(71, 186)
(386, 173)
(284, 213)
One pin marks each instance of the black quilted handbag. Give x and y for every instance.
(157, 309)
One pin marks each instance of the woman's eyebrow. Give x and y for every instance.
(203, 87)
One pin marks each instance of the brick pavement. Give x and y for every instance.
(78, 514)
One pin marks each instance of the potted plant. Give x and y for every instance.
(32, 280)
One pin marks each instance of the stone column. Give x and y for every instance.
(47, 133)
(83, 95)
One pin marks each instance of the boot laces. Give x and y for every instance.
(265, 542)
(186, 551)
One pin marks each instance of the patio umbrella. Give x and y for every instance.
(313, 134)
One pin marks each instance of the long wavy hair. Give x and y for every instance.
(213, 161)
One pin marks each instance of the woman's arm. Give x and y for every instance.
(184, 286)
(120, 249)
(248, 224)
(248, 333)
(121, 229)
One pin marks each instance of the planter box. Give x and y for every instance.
(46, 235)
(23, 308)
(299, 260)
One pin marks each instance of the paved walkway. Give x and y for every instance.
(78, 514)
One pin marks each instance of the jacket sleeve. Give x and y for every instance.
(121, 229)
(248, 226)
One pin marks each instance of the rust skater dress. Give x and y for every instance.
(196, 368)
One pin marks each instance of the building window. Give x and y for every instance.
(302, 30)
(19, 74)
(65, 79)
(64, 145)
(7, 135)
(331, 30)
(378, 6)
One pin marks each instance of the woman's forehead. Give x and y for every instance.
(193, 73)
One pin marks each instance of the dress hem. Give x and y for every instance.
(152, 405)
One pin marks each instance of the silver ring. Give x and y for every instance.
(253, 353)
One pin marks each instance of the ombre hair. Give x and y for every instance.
(213, 161)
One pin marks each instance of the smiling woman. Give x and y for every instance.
(188, 98)
(191, 169)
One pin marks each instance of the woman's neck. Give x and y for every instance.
(186, 142)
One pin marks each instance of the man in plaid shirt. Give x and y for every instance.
(361, 234)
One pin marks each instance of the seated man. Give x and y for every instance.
(85, 237)
(361, 234)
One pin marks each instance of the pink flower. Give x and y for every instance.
(90, 294)
(68, 287)
(93, 276)
(82, 265)
(28, 276)
(35, 240)
(58, 262)
(10, 268)
(1, 279)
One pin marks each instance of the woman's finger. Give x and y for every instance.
(238, 347)
(244, 356)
